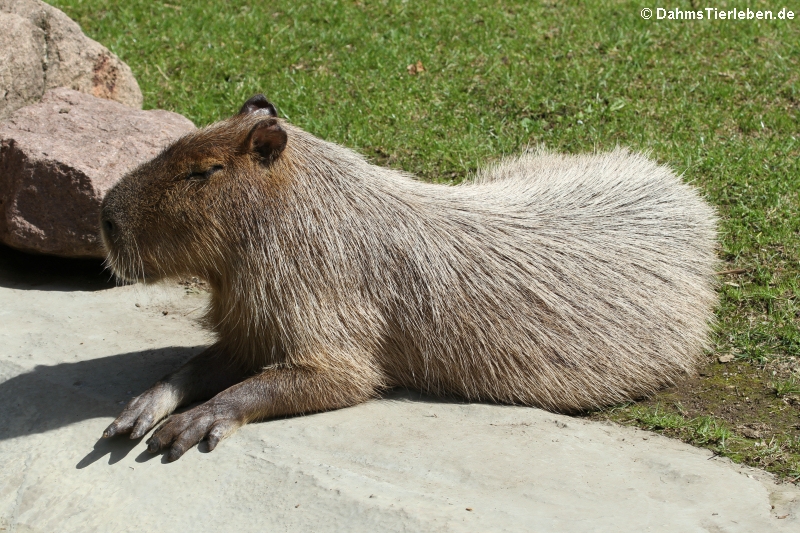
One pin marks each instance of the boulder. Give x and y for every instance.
(60, 156)
(21, 51)
(41, 48)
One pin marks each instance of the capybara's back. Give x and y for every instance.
(566, 282)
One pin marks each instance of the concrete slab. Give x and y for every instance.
(75, 348)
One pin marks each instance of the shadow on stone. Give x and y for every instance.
(116, 448)
(50, 397)
(19, 270)
(146, 456)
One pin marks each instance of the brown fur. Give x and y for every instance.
(564, 282)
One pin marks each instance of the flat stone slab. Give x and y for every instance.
(76, 348)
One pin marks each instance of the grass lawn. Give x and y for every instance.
(716, 99)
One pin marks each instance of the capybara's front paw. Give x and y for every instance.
(144, 411)
(211, 421)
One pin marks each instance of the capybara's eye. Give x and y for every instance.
(204, 174)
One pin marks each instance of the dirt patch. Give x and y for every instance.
(740, 410)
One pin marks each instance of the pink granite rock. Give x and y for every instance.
(60, 156)
(41, 48)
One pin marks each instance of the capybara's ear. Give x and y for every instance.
(260, 104)
(267, 138)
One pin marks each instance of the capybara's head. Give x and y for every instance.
(184, 212)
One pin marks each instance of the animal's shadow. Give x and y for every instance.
(53, 396)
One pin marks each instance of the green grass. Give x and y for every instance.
(786, 387)
(717, 100)
(702, 431)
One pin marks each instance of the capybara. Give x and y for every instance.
(565, 282)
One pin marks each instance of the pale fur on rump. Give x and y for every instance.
(560, 281)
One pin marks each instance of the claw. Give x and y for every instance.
(175, 453)
(152, 445)
(112, 429)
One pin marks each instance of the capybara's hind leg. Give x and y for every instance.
(274, 392)
(201, 378)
